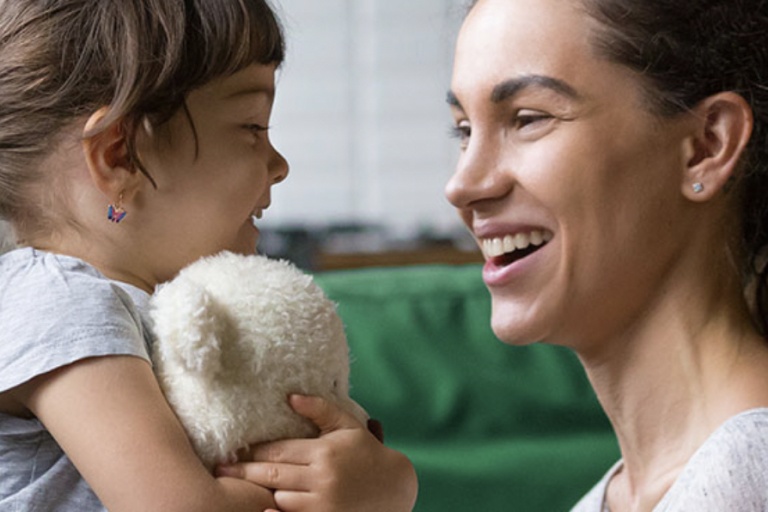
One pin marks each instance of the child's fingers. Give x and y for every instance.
(288, 451)
(328, 416)
(269, 475)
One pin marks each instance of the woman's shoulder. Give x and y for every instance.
(729, 471)
(741, 441)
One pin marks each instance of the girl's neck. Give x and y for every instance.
(114, 263)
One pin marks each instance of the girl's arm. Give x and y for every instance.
(112, 420)
(346, 469)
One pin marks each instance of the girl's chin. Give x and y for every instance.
(245, 249)
(247, 240)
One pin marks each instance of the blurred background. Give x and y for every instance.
(361, 117)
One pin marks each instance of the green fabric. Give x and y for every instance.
(488, 426)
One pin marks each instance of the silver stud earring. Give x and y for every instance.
(698, 187)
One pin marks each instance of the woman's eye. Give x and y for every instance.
(462, 131)
(526, 118)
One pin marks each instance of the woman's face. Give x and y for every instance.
(562, 161)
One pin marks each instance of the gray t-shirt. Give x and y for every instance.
(729, 472)
(56, 310)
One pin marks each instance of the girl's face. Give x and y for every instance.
(561, 160)
(208, 190)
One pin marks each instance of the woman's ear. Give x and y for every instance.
(724, 124)
(108, 159)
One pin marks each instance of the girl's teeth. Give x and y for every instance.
(493, 247)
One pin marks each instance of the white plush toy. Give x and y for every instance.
(235, 335)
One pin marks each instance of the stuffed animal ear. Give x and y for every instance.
(188, 327)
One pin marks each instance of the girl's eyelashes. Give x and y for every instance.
(257, 128)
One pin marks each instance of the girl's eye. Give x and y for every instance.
(257, 128)
(462, 131)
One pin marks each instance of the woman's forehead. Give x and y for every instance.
(504, 39)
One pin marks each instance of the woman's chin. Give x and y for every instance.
(516, 330)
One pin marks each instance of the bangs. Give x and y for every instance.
(225, 36)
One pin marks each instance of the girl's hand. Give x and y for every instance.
(345, 469)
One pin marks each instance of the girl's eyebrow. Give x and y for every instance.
(513, 86)
(269, 92)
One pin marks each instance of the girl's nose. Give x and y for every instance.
(278, 167)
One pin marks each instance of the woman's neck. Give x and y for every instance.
(671, 379)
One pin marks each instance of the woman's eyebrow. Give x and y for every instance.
(513, 86)
(452, 100)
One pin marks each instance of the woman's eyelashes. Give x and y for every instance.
(529, 118)
(523, 121)
(461, 131)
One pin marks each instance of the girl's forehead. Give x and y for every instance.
(253, 79)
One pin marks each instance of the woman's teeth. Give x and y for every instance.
(495, 247)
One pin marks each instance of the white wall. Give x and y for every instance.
(360, 113)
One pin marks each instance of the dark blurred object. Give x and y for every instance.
(357, 244)
(294, 243)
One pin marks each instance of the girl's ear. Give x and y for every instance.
(108, 159)
(724, 124)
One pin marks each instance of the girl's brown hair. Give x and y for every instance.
(62, 59)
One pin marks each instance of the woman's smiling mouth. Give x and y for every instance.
(502, 251)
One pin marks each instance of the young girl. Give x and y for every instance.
(134, 140)
(614, 170)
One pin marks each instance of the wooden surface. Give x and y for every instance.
(432, 255)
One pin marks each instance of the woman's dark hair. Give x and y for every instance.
(62, 59)
(687, 50)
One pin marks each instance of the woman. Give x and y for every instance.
(613, 170)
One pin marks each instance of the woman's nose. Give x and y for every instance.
(480, 175)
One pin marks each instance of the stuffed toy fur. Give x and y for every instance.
(235, 335)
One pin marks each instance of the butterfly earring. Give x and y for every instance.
(115, 212)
